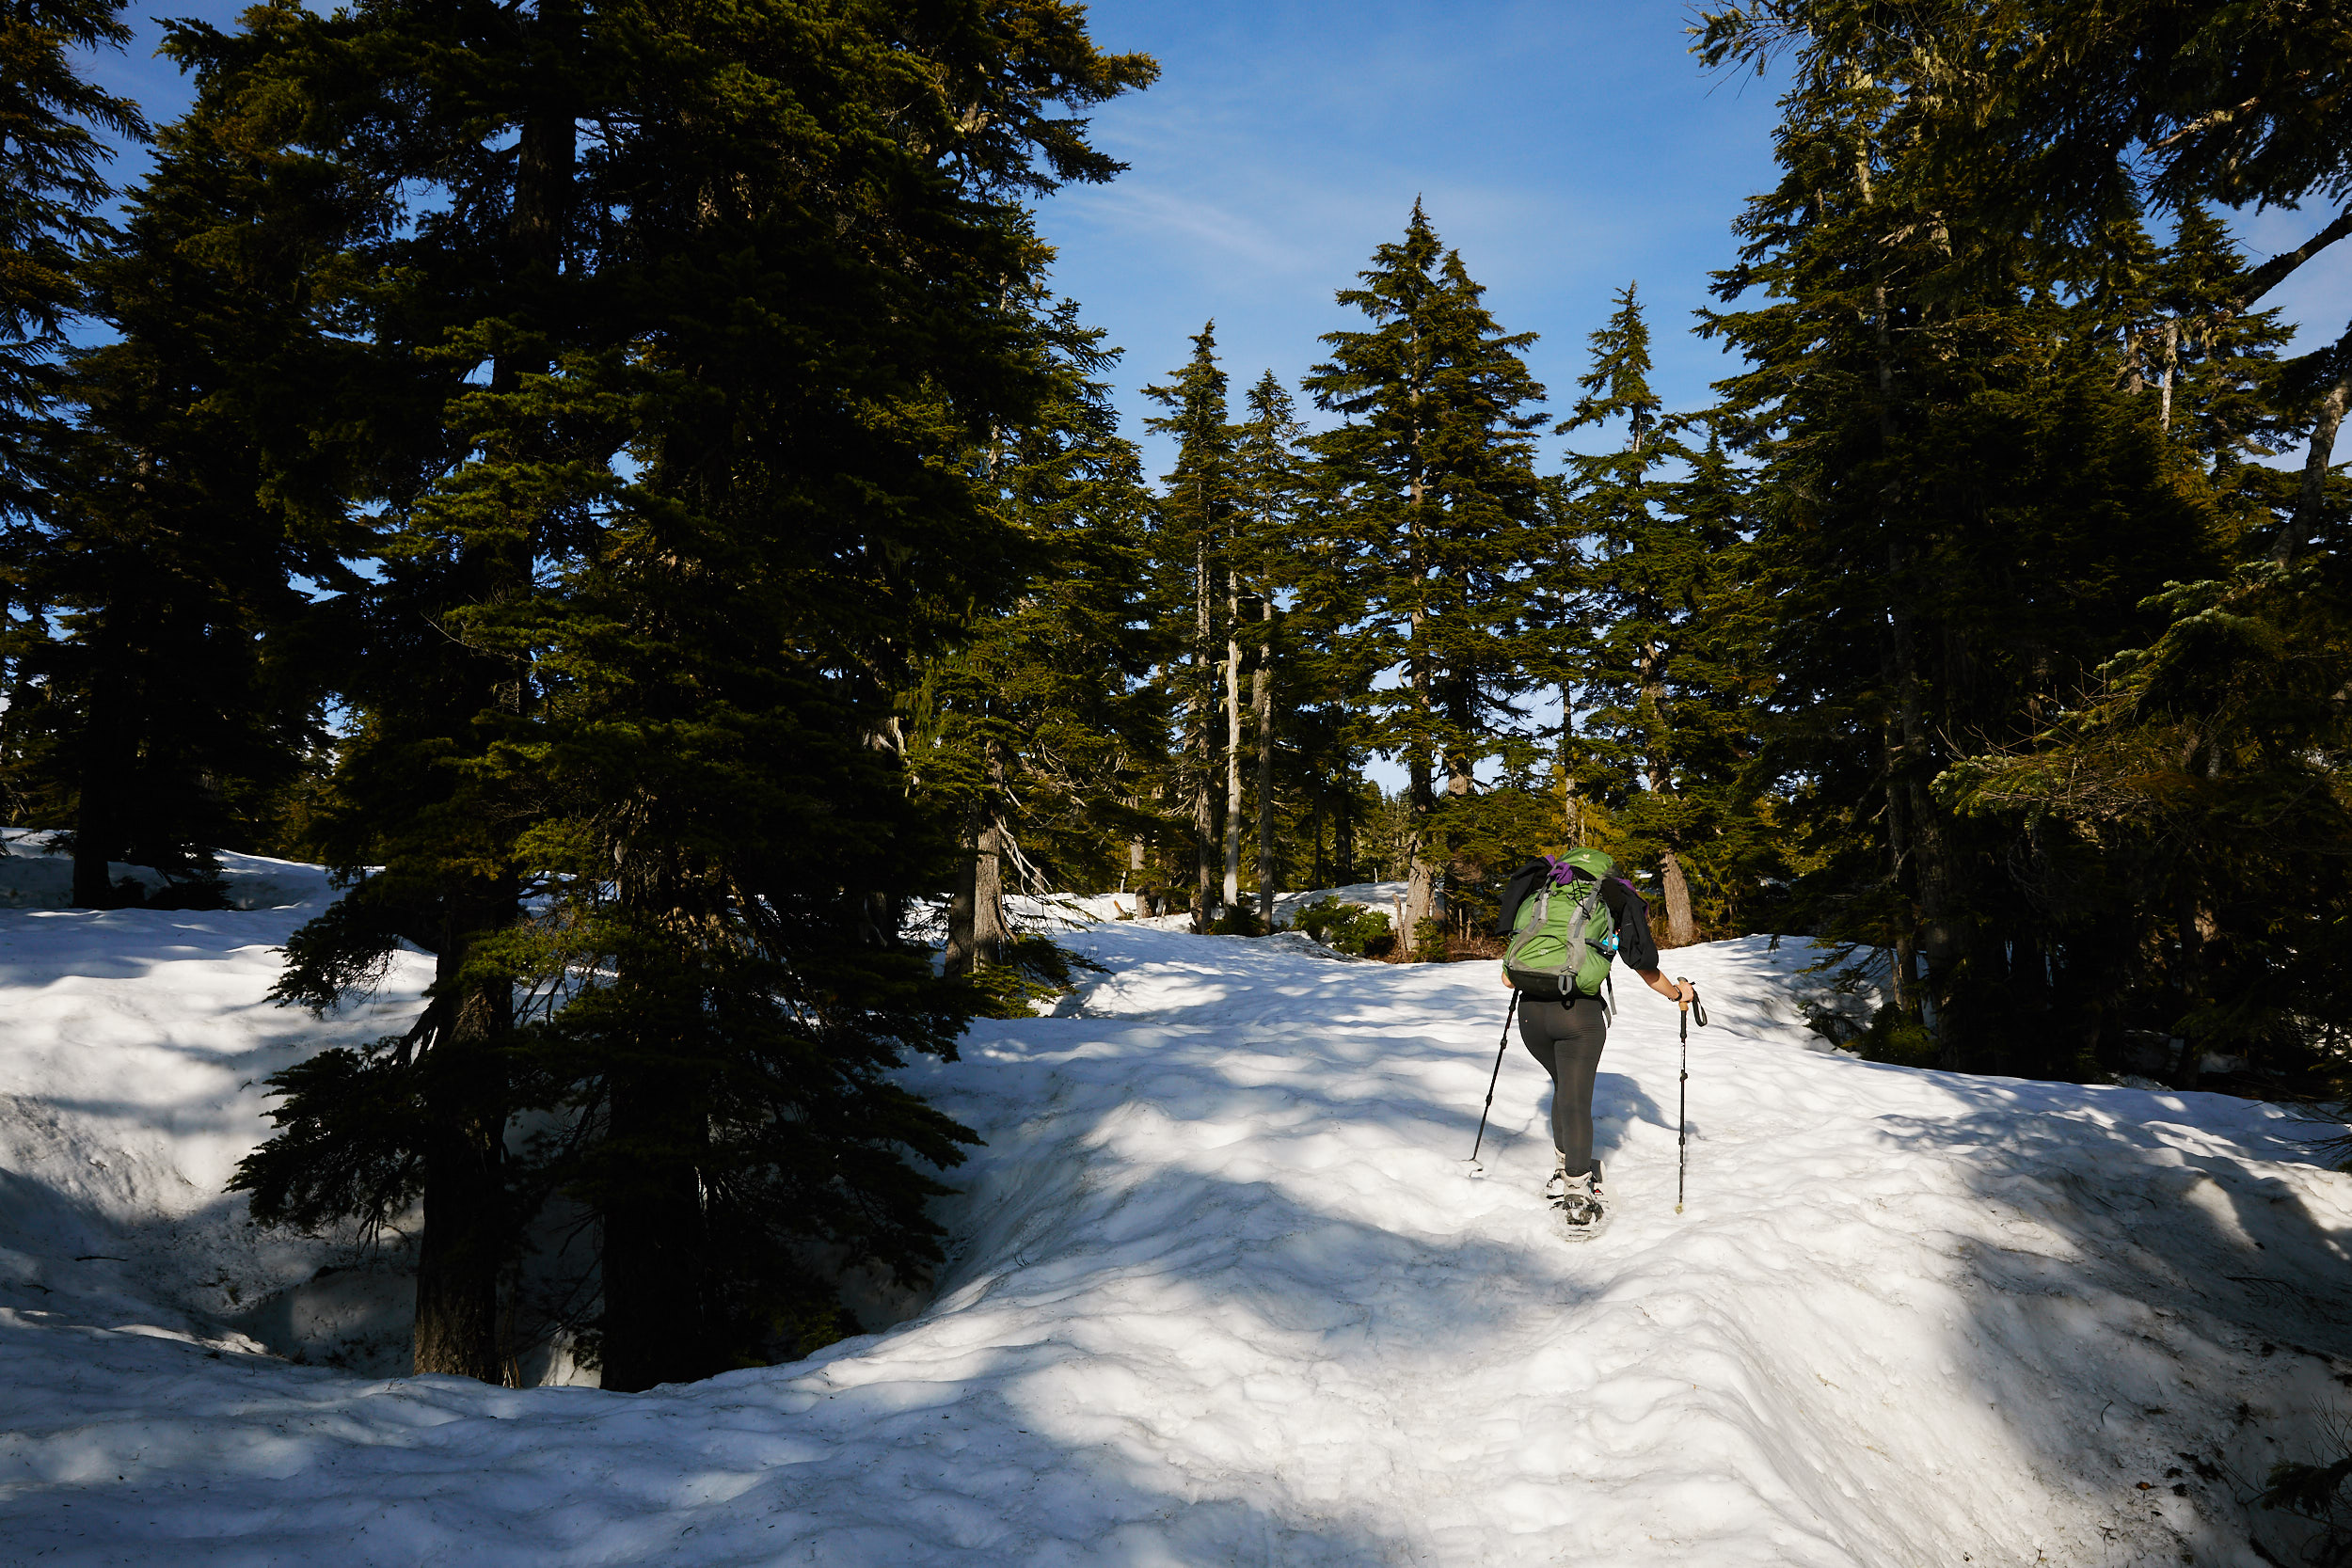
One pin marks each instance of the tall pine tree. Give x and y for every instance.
(1432, 488)
(1197, 522)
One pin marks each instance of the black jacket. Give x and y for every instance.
(1626, 907)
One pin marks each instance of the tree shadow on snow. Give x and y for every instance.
(2154, 1316)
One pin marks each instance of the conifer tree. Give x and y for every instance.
(438, 785)
(681, 566)
(1642, 572)
(51, 188)
(1037, 730)
(1966, 514)
(1270, 482)
(1196, 528)
(2144, 805)
(1433, 486)
(181, 693)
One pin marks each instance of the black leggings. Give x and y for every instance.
(1567, 1037)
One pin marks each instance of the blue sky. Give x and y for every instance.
(1566, 147)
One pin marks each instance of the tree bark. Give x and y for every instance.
(990, 935)
(978, 930)
(656, 1317)
(1903, 986)
(107, 756)
(465, 1242)
(1681, 925)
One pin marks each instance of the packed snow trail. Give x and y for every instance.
(1224, 1292)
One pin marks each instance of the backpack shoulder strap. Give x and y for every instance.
(1515, 893)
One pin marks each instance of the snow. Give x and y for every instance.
(1226, 1290)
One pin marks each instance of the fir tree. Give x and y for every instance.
(1037, 731)
(1433, 487)
(215, 440)
(1643, 570)
(50, 187)
(493, 480)
(1270, 483)
(1965, 515)
(1196, 527)
(801, 533)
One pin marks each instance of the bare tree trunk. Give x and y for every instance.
(2171, 356)
(1262, 699)
(107, 754)
(2195, 928)
(1681, 926)
(1903, 989)
(956, 956)
(1232, 745)
(990, 933)
(977, 932)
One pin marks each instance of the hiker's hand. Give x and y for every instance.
(1676, 991)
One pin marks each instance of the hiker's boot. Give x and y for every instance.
(1557, 1187)
(1581, 1198)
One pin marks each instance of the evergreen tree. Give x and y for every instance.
(1270, 483)
(488, 268)
(1433, 489)
(1037, 731)
(180, 694)
(1196, 527)
(50, 187)
(1643, 571)
(686, 541)
(1964, 516)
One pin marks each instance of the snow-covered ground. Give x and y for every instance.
(1226, 1290)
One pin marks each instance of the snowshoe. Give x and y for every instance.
(1582, 1209)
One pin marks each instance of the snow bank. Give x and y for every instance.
(132, 1060)
(1225, 1291)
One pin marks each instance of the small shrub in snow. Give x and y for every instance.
(1349, 927)
(1239, 920)
(1035, 970)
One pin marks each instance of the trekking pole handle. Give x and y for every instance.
(1696, 1008)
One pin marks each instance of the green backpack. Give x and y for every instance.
(1563, 941)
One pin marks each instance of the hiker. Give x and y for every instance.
(1564, 1021)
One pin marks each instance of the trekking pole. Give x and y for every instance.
(1682, 1107)
(1497, 1077)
